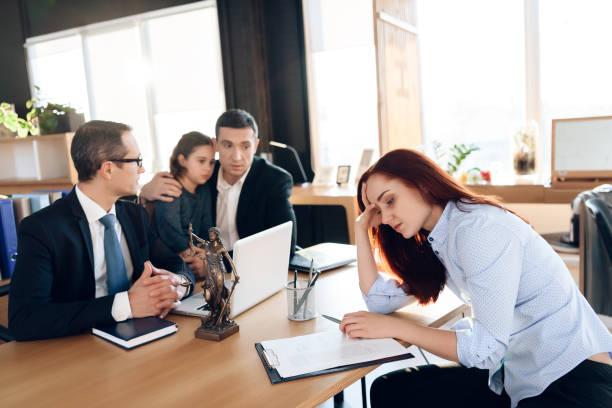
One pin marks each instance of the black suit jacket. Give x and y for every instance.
(264, 199)
(53, 286)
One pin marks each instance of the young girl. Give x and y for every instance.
(532, 334)
(192, 163)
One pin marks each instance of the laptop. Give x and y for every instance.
(326, 256)
(262, 263)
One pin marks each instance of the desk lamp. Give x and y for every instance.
(295, 153)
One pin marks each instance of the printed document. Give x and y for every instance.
(320, 351)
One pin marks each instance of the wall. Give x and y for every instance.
(14, 86)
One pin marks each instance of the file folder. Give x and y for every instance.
(8, 239)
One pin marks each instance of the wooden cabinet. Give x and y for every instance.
(36, 163)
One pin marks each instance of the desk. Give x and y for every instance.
(307, 194)
(181, 370)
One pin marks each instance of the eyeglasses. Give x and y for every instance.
(138, 161)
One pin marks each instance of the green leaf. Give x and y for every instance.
(29, 104)
(21, 132)
(12, 126)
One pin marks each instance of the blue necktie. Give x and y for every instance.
(115, 268)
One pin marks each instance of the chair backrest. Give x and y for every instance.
(598, 255)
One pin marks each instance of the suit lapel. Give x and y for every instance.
(77, 211)
(247, 194)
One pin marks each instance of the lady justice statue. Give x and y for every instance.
(217, 325)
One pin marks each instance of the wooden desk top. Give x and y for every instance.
(536, 194)
(85, 370)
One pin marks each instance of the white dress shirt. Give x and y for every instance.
(121, 305)
(227, 205)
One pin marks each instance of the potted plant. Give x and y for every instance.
(58, 118)
(11, 121)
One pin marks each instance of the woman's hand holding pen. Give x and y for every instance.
(368, 325)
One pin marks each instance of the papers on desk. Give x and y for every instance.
(322, 353)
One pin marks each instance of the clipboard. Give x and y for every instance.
(267, 359)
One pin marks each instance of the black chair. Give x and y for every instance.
(598, 255)
(4, 332)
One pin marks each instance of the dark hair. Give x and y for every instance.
(185, 146)
(96, 142)
(411, 260)
(236, 119)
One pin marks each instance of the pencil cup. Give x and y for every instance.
(301, 300)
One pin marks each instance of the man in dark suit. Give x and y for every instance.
(249, 194)
(85, 260)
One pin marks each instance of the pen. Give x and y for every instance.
(333, 319)
(308, 285)
(316, 276)
(310, 271)
(307, 291)
(295, 277)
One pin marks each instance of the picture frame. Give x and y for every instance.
(342, 176)
(580, 156)
(324, 176)
(366, 159)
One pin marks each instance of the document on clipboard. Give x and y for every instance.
(323, 353)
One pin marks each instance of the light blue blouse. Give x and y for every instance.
(528, 316)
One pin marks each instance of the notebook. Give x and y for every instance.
(136, 332)
(327, 255)
(262, 262)
(323, 353)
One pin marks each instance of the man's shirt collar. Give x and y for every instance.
(93, 211)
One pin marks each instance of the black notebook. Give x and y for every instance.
(135, 332)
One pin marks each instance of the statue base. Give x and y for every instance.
(216, 333)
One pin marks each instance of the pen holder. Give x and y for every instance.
(301, 300)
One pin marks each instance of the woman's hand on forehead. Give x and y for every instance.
(364, 196)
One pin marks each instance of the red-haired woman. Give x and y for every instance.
(532, 338)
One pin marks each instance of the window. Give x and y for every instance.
(342, 80)
(575, 61)
(187, 75)
(488, 68)
(164, 79)
(117, 83)
(472, 57)
(57, 67)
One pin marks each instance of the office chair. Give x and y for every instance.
(4, 332)
(598, 255)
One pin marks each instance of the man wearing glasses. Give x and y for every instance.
(89, 259)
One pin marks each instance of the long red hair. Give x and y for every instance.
(412, 261)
